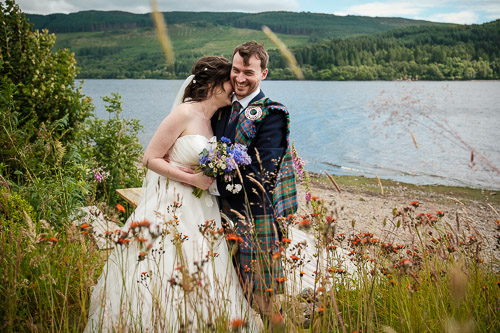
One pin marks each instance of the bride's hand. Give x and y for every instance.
(202, 181)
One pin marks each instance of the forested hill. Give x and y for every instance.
(426, 52)
(327, 47)
(311, 24)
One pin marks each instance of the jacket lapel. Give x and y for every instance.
(220, 120)
(230, 129)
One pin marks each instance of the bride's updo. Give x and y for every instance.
(209, 72)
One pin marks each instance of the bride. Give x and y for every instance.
(171, 270)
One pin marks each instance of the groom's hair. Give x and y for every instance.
(248, 49)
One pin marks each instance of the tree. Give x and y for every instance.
(48, 140)
(37, 87)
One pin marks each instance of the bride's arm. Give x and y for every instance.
(168, 131)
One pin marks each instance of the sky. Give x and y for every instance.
(449, 11)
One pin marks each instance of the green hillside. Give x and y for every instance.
(135, 53)
(310, 24)
(328, 47)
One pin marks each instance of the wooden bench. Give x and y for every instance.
(130, 195)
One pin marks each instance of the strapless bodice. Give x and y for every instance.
(186, 150)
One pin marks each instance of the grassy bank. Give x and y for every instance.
(439, 193)
(441, 282)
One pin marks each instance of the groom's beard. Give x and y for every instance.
(242, 91)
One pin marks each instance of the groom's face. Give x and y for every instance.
(246, 78)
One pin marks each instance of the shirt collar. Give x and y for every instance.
(245, 101)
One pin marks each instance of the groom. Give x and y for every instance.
(269, 189)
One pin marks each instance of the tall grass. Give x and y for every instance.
(441, 280)
(46, 275)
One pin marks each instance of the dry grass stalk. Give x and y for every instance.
(238, 214)
(380, 185)
(333, 182)
(285, 52)
(414, 140)
(161, 31)
(493, 209)
(256, 182)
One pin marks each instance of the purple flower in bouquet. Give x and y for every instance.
(221, 158)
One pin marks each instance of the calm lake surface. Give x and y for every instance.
(415, 132)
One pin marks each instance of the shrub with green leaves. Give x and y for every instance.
(52, 144)
(42, 115)
(113, 145)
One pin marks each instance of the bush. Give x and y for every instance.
(114, 147)
(42, 115)
(52, 144)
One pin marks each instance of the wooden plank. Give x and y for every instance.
(130, 195)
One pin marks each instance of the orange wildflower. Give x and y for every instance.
(53, 239)
(294, 257)
(234, 237)
(280, 279)
(237, 323)
(144, 223)
(277, 318)
(414, 204)
(305, 223)
(286, 240)
(120, 208)
(84, 226)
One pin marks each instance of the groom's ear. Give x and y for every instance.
(264, 74)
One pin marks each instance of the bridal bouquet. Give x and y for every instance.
(221, 158)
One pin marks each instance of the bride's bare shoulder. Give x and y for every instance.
(184, 109)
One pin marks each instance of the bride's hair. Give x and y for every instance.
(209, 73)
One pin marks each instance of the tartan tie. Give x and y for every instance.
(235, 111)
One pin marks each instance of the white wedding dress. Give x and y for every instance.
(186, 281)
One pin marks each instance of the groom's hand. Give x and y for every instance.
(187, 170)
(191, 169)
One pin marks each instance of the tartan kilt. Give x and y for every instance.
(256, 266)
